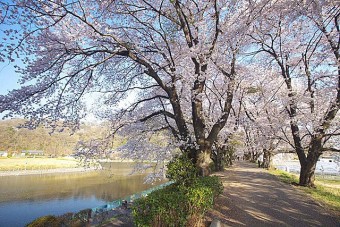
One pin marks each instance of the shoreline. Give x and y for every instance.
(43, 165)
(45, 171)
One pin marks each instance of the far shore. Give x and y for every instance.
(44, 165)
(45, 171)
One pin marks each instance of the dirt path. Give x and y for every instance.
(253, 197)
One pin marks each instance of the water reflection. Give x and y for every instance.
(24, 198)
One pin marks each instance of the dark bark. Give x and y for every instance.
(192, 154)
(307, 174)
(201, 159)
(222, 157)
(267, 159)
(218, 157)
(178, 114)
(308, 168)
(218, 163)
(307, 171)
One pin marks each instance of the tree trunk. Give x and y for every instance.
(307, 171)
(192, 154)
(201, 159)
(267, 159)
(203, 163)
(255, 155)
(307, 175)
(229, 155)
(218, 158)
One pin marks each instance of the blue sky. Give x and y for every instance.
(8, 78)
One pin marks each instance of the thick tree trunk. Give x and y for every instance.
(203, 163)
(307, 175)
(201, 159)
(307, 171)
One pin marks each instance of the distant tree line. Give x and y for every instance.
(15, 139)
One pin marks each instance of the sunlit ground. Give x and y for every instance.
(327, 189)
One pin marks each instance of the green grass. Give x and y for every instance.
(328, 181)
(285, 177)
(327, 191)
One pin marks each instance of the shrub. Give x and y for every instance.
(176, 205)
(162, 207)
(181, 170)
(212, 182)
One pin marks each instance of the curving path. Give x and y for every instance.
(253, 197)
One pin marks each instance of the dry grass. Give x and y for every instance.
(11, 164)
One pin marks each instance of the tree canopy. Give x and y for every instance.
(182, 67)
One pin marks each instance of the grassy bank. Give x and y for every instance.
(14, 164)
(327, 191)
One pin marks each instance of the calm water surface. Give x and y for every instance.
(25, 198)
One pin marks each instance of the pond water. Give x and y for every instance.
(25, 198)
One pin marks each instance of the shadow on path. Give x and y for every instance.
(253, 197)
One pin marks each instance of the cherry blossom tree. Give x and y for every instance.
(158, 65)
(179, 68)
(264, 121)
(301, 43)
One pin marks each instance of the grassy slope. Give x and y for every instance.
(326, 192)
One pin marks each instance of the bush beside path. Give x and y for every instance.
(253, 197)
